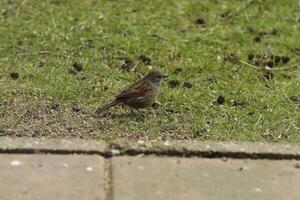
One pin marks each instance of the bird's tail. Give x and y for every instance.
(107, 106)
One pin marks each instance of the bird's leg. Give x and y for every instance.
(138, 114)
(132, 112)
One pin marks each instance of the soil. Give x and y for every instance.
(174, 83)
(146, 60)
(227, 14)
(187, 85)
(78, 66)
(221, 100)
(128, 65)
(178, 70)
(46, 118)
(41, 117)
(267, 60)
(14, 75)
(200, 22)
(257, 39)
(231, 57)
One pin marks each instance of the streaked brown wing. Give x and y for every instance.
(137, 89)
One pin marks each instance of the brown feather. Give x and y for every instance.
(135, 90)
(107, 106)
(140, 94)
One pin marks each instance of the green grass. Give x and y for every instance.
(98, 34)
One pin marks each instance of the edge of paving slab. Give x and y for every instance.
(208, 149)
(160, 148)
(55, 146)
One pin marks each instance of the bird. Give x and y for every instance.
(141, 94)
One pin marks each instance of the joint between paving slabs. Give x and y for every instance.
(108, 179)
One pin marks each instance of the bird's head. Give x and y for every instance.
(155, 77)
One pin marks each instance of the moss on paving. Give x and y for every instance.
(196, 42)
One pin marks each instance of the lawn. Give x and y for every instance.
(60, 60)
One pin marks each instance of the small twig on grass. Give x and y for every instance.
(258, 120)
(41, 53)
(35, 53)
(120, 57)
(159, 37)
(266, 68)
(135, 66)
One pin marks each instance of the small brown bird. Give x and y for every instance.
(140, 94)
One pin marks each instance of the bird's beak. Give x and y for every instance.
(164, 76)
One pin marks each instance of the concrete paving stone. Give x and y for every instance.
(46, 144)
(198, 148)
(51, 177)
(155, 178)
(209, 147)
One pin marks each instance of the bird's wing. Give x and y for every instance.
(137, 89)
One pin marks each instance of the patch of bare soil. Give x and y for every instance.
(40, 117)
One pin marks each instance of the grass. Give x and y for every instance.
(42, 40)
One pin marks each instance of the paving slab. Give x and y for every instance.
(209, 149)
(167, 148)
(52, 177)
(155, 178)
(36, 145)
